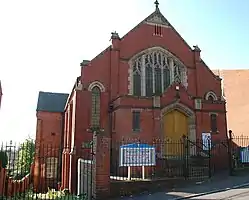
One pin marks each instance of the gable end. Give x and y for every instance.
(156, 18)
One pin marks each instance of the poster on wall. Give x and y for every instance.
(206, 141)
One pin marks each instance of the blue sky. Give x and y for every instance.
(43, 42)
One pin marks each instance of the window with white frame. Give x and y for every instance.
(153, 72)
(51, 167)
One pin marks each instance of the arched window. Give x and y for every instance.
(137, 77)
(95, 119)
(149, 75)
(153, 72)
(211, 96)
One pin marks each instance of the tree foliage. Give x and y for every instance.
(3, 158)
(25, 156)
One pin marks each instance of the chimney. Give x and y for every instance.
(115, 41)
(197, 53)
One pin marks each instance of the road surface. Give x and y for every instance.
(233, 194)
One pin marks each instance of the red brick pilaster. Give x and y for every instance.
(101, 167)
(38, 149)
(157, 123)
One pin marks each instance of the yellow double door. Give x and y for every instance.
(175, 125)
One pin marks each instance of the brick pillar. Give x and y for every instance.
(157, 123)
(101, 167)
(36, 175)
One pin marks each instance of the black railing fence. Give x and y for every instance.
(238, 153)
(45, 171)
(137, 160)
(37, 171)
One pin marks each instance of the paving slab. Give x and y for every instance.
(218, 183)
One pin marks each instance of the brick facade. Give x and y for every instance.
(112, 72)
(49, 132)
(235, 92)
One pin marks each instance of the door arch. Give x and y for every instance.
(177, 120)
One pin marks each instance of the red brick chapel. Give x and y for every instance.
(149, 84)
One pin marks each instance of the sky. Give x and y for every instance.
(43, 42)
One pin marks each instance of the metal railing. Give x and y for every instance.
(159, 159)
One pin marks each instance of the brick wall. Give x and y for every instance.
(49, 128)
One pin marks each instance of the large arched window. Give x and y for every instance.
(95, 118)
(153, 71)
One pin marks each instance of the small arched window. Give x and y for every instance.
(211, 96)
(95, 118)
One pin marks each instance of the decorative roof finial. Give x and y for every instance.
(157, 4)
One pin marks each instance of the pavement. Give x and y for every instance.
(232, 194)
(217, 184)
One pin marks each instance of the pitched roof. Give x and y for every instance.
(51, 102)
(158, 18)
(234, 83)
(155, 17)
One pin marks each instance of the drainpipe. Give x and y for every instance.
(72, 150)
(61, 146)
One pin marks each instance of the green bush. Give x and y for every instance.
(4, 159)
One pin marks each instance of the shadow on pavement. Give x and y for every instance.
(219, 182)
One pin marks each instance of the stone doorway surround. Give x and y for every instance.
(191, 122)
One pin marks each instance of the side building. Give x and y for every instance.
(49, 137)
(235, 92)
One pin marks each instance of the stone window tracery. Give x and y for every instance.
(153, 71)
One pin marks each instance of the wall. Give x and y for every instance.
(236, 94)
(49, 128)
(48, 144)
(113, 67)
(14, 187)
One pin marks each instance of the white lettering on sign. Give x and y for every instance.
(137, 155)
